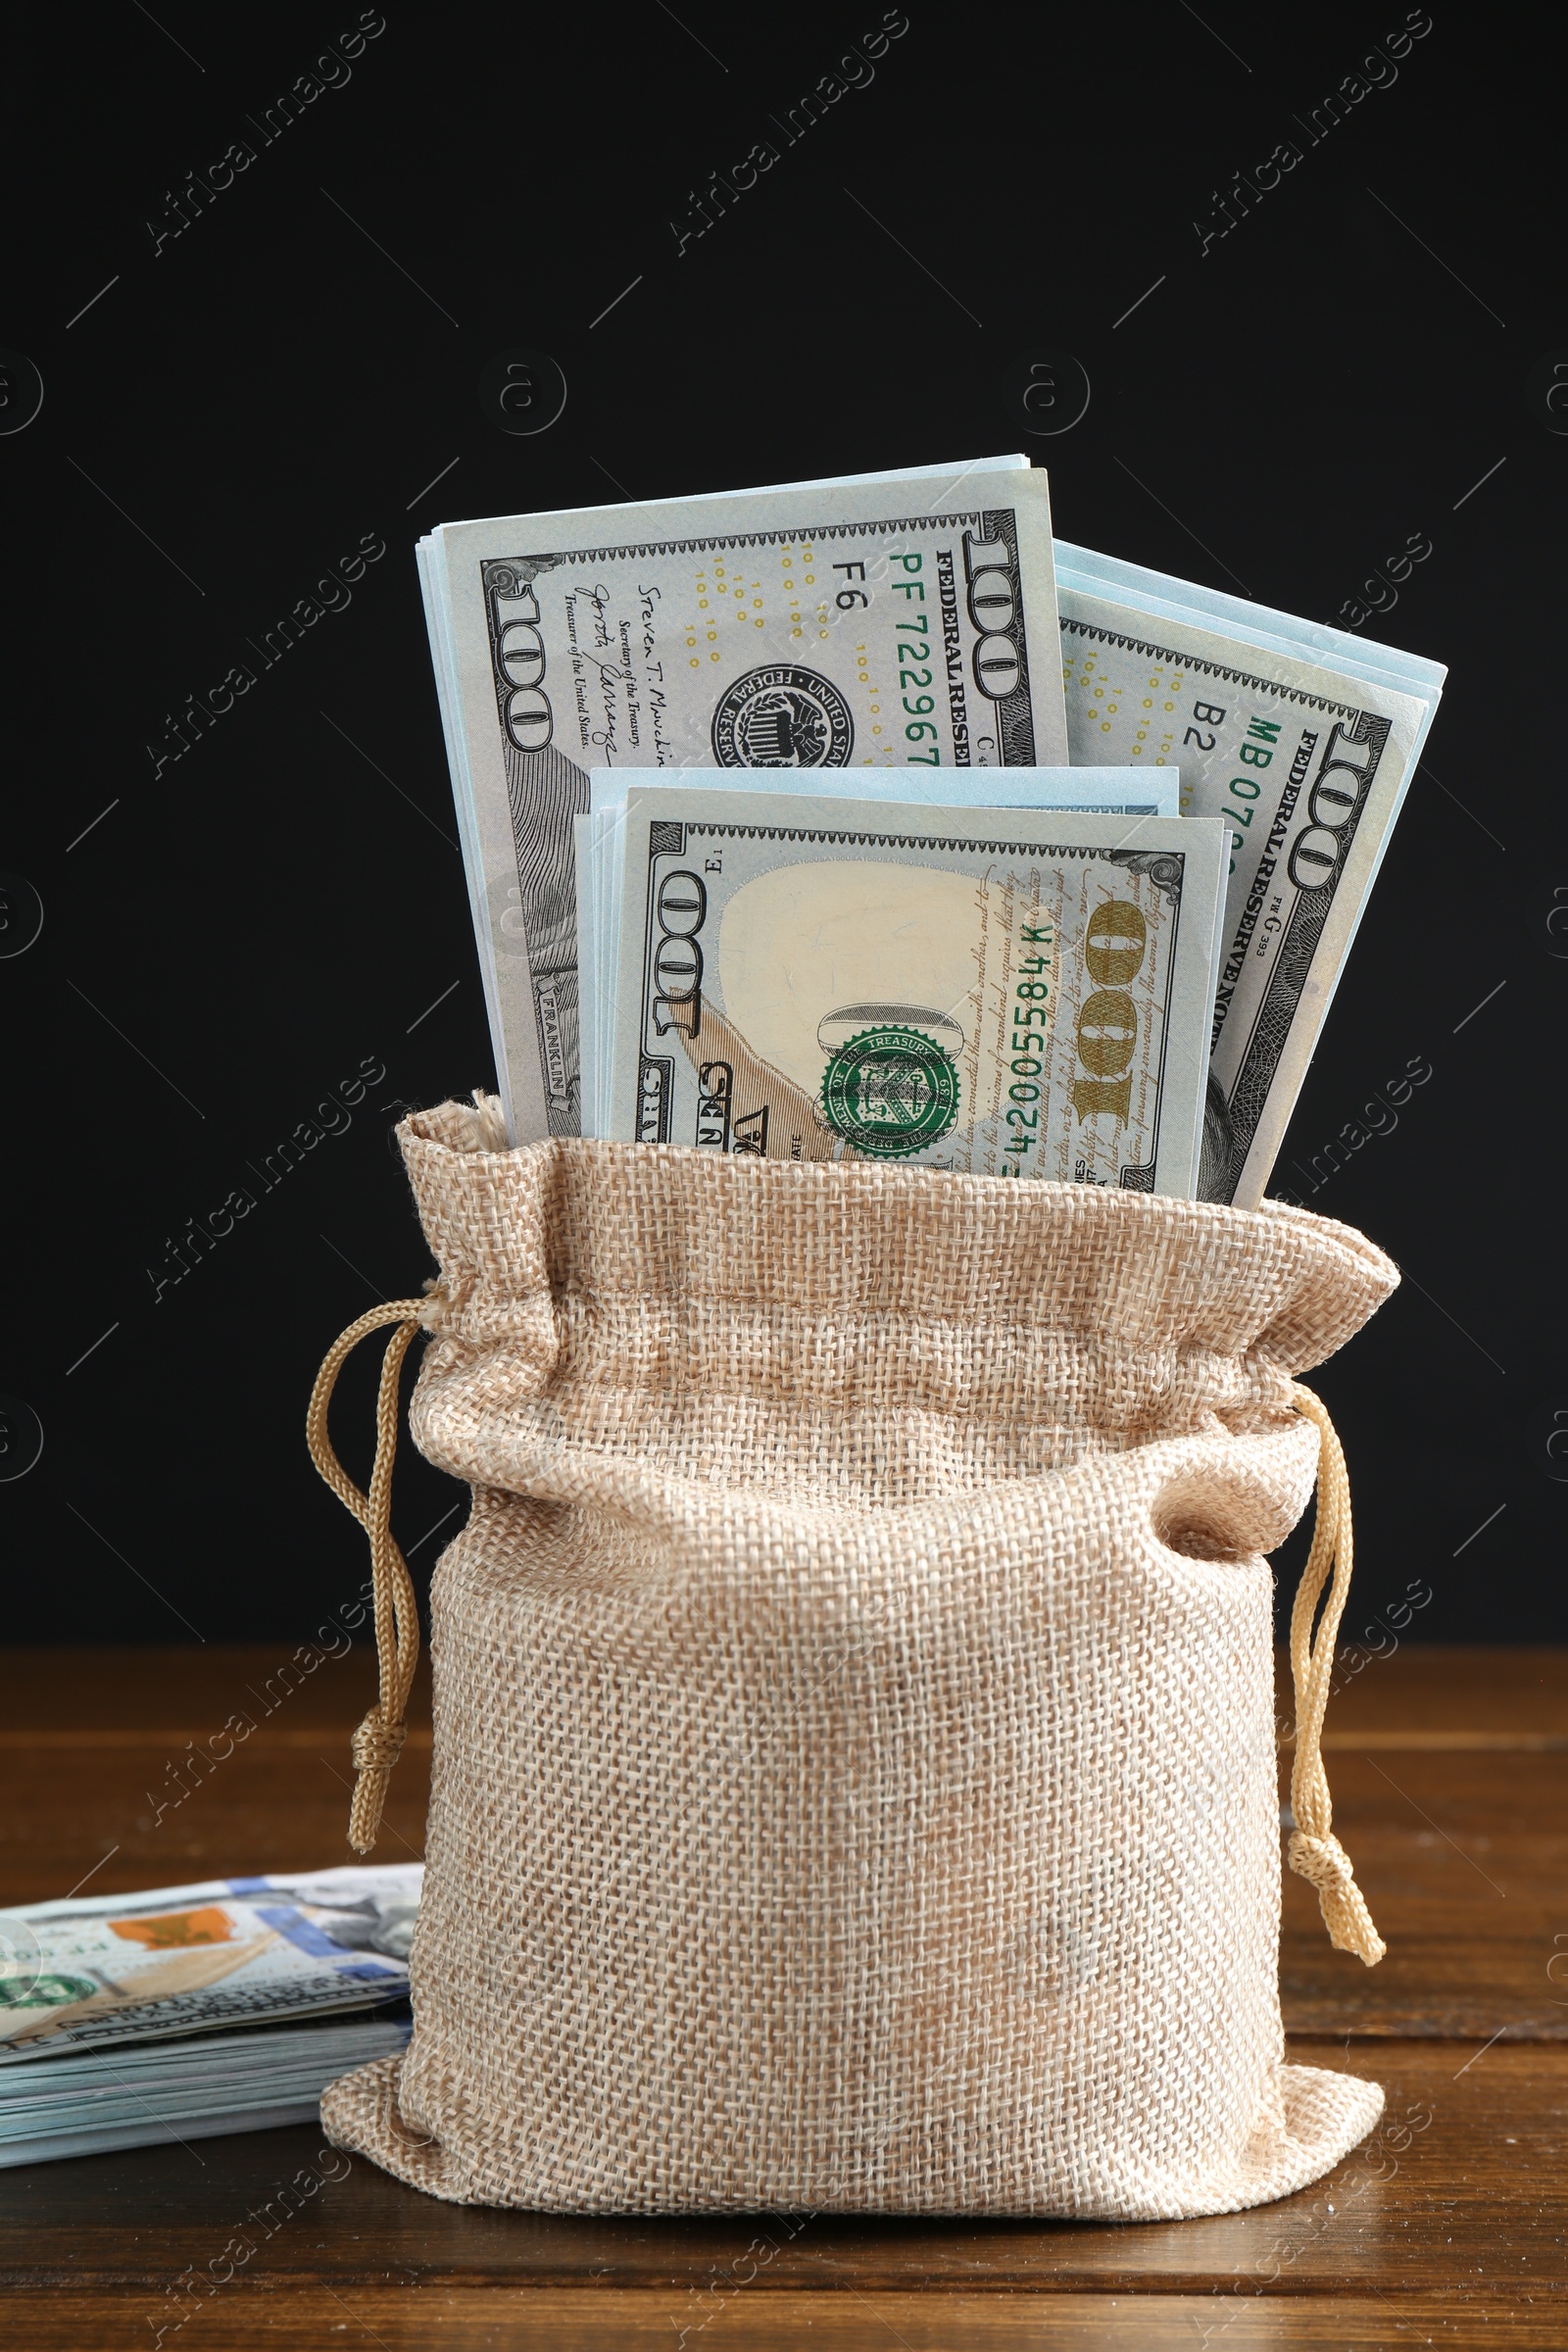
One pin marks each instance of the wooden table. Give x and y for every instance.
(1449, 1769)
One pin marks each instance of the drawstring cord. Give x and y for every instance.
(1314, 1852)
(378, 1741)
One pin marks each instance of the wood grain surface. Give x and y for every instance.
(1451, 2226)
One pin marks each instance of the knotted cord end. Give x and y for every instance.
(1324, 1864)
(375, 1747)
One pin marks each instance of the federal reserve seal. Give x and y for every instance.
(782, 717)
(891, 1092)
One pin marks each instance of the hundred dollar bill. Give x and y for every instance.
(1123, 791)
(100, 1970)
(997, 992)
(1303, 740)
(874, 622)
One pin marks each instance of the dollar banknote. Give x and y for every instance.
(1303, 739)
(997, 992)
(99, 1972)
(1116, 791)
(874, 622)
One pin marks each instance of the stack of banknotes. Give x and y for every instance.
(189, 2011)
(859, 819)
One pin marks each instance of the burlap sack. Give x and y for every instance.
(854, 1750)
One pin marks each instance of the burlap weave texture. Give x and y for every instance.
(854, 1767)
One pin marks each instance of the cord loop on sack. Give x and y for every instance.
(1314, 1852)
(378, 1741)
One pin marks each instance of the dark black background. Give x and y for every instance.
(240, 931)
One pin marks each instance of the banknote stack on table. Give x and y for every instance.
(132, 2019)
(858, 819)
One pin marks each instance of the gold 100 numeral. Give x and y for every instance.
(1114, 947)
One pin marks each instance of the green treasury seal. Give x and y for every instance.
(891, 1092)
